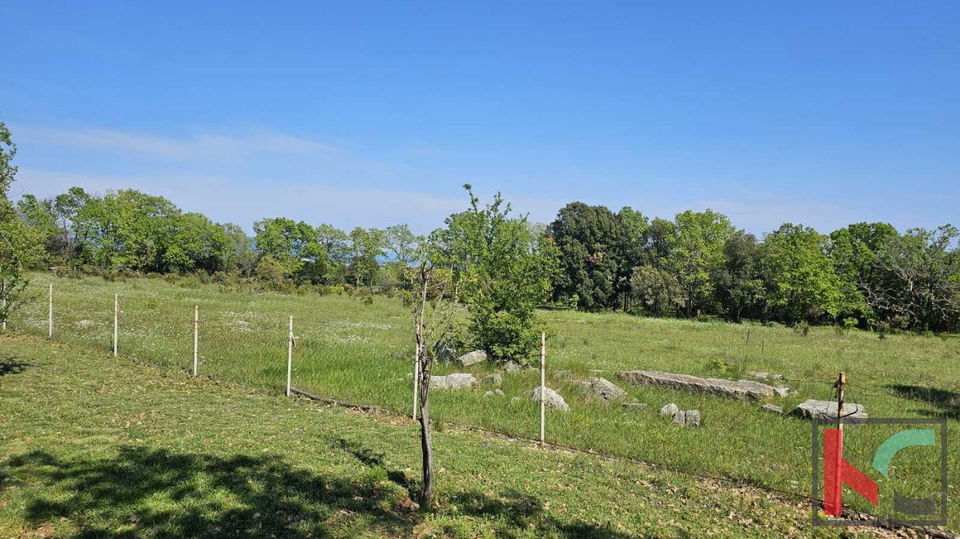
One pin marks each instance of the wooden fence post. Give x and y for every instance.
(290, 356)
(416, 380)
(50, 315)
(3, 294)
(116, 322)
(196, 335)
(543, 387)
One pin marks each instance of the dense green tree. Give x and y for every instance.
(506, 273)
(197, 244)
(854, 251)
(591, 242)
(128, 229)
(918, 280)
(737, 282)
(366, 248)
(15, 248)
(656, 289)
(240, 254)
(295, 246)
(337, 244)
(801, 284)
(696, 249)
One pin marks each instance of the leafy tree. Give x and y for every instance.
(918, 286)
(366, 248)
(240, 255)
(800, 280)
(14, 246)
(295, 246)
(737, 281)
(591, 241)
(128, 230)
(505, 272)
(656, 289)
(41, 225)
(197, 244)
(854, 251)
(696, 249)
(337, 244)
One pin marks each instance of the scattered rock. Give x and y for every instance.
(814, 409)
(741, 389)
(472, 358)
(494, 379)
(495, 392)
(446, 353)
(691, 418)
(772, 408)
(603, 389)
(457, 380)
(551, 398)
(782, 391)
(512, 366)
(83, 324)
(560, 374)
(762, 375)
(515, 400)
(634, 405)
(670, 409)
(776, 377)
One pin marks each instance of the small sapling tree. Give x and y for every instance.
(436, 294)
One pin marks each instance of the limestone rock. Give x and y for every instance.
(472, 358)
(810, 409)
(603, 389)
(551, 398)
(670, 409)
(457, 380)
(741, 389)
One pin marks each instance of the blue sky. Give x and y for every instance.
(374, 113)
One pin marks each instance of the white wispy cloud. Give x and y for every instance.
(194, 146)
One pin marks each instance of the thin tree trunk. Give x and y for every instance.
(426, 445)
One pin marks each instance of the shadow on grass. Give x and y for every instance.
(10, 365)
(946, 401)
(157, 493)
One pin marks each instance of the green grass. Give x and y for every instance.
(97, 447)
(362, 353)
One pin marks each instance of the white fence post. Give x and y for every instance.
(290, 356)
(196, 335)
(543, 387)
(50, 315)
(116, 322)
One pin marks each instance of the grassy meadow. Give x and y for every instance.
(358, 352)
(92, 448)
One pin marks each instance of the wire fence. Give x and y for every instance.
(347, 352)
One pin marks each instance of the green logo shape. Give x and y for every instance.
(900, 440)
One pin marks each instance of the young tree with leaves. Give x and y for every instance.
(14, 247)
(506, 274)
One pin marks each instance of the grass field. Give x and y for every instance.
(95, 447)
(362, 353)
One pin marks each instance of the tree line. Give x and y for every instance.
(698, 264)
